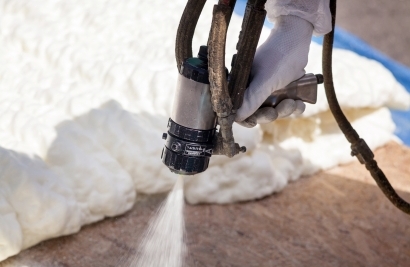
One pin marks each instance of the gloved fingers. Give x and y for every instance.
(266, 115)
(251, 102)
(300, 107)
(285, 108)
(249, 122)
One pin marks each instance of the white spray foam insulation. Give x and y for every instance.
(85, 92)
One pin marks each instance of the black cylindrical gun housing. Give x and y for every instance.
(191, 128)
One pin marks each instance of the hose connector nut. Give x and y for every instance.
(362, 151)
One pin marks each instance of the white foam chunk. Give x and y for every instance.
(11, 237)
(321, 143)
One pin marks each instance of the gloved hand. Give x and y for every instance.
(280, 60)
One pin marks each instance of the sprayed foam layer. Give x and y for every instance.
(85, 92)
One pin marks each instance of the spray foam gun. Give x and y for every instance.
(207, 95)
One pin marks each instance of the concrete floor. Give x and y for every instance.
(384, 24)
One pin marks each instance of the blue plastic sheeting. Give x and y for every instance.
(346, 40)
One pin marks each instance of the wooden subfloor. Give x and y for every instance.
(334, 218)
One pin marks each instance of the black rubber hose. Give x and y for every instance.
(359, 147)
(186, 29)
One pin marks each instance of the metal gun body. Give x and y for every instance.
(304, 89)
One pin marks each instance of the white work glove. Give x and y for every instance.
(283, 57)
(280, 60)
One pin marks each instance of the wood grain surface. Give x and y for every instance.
(334, 218)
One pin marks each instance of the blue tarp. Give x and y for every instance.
(346, 40)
